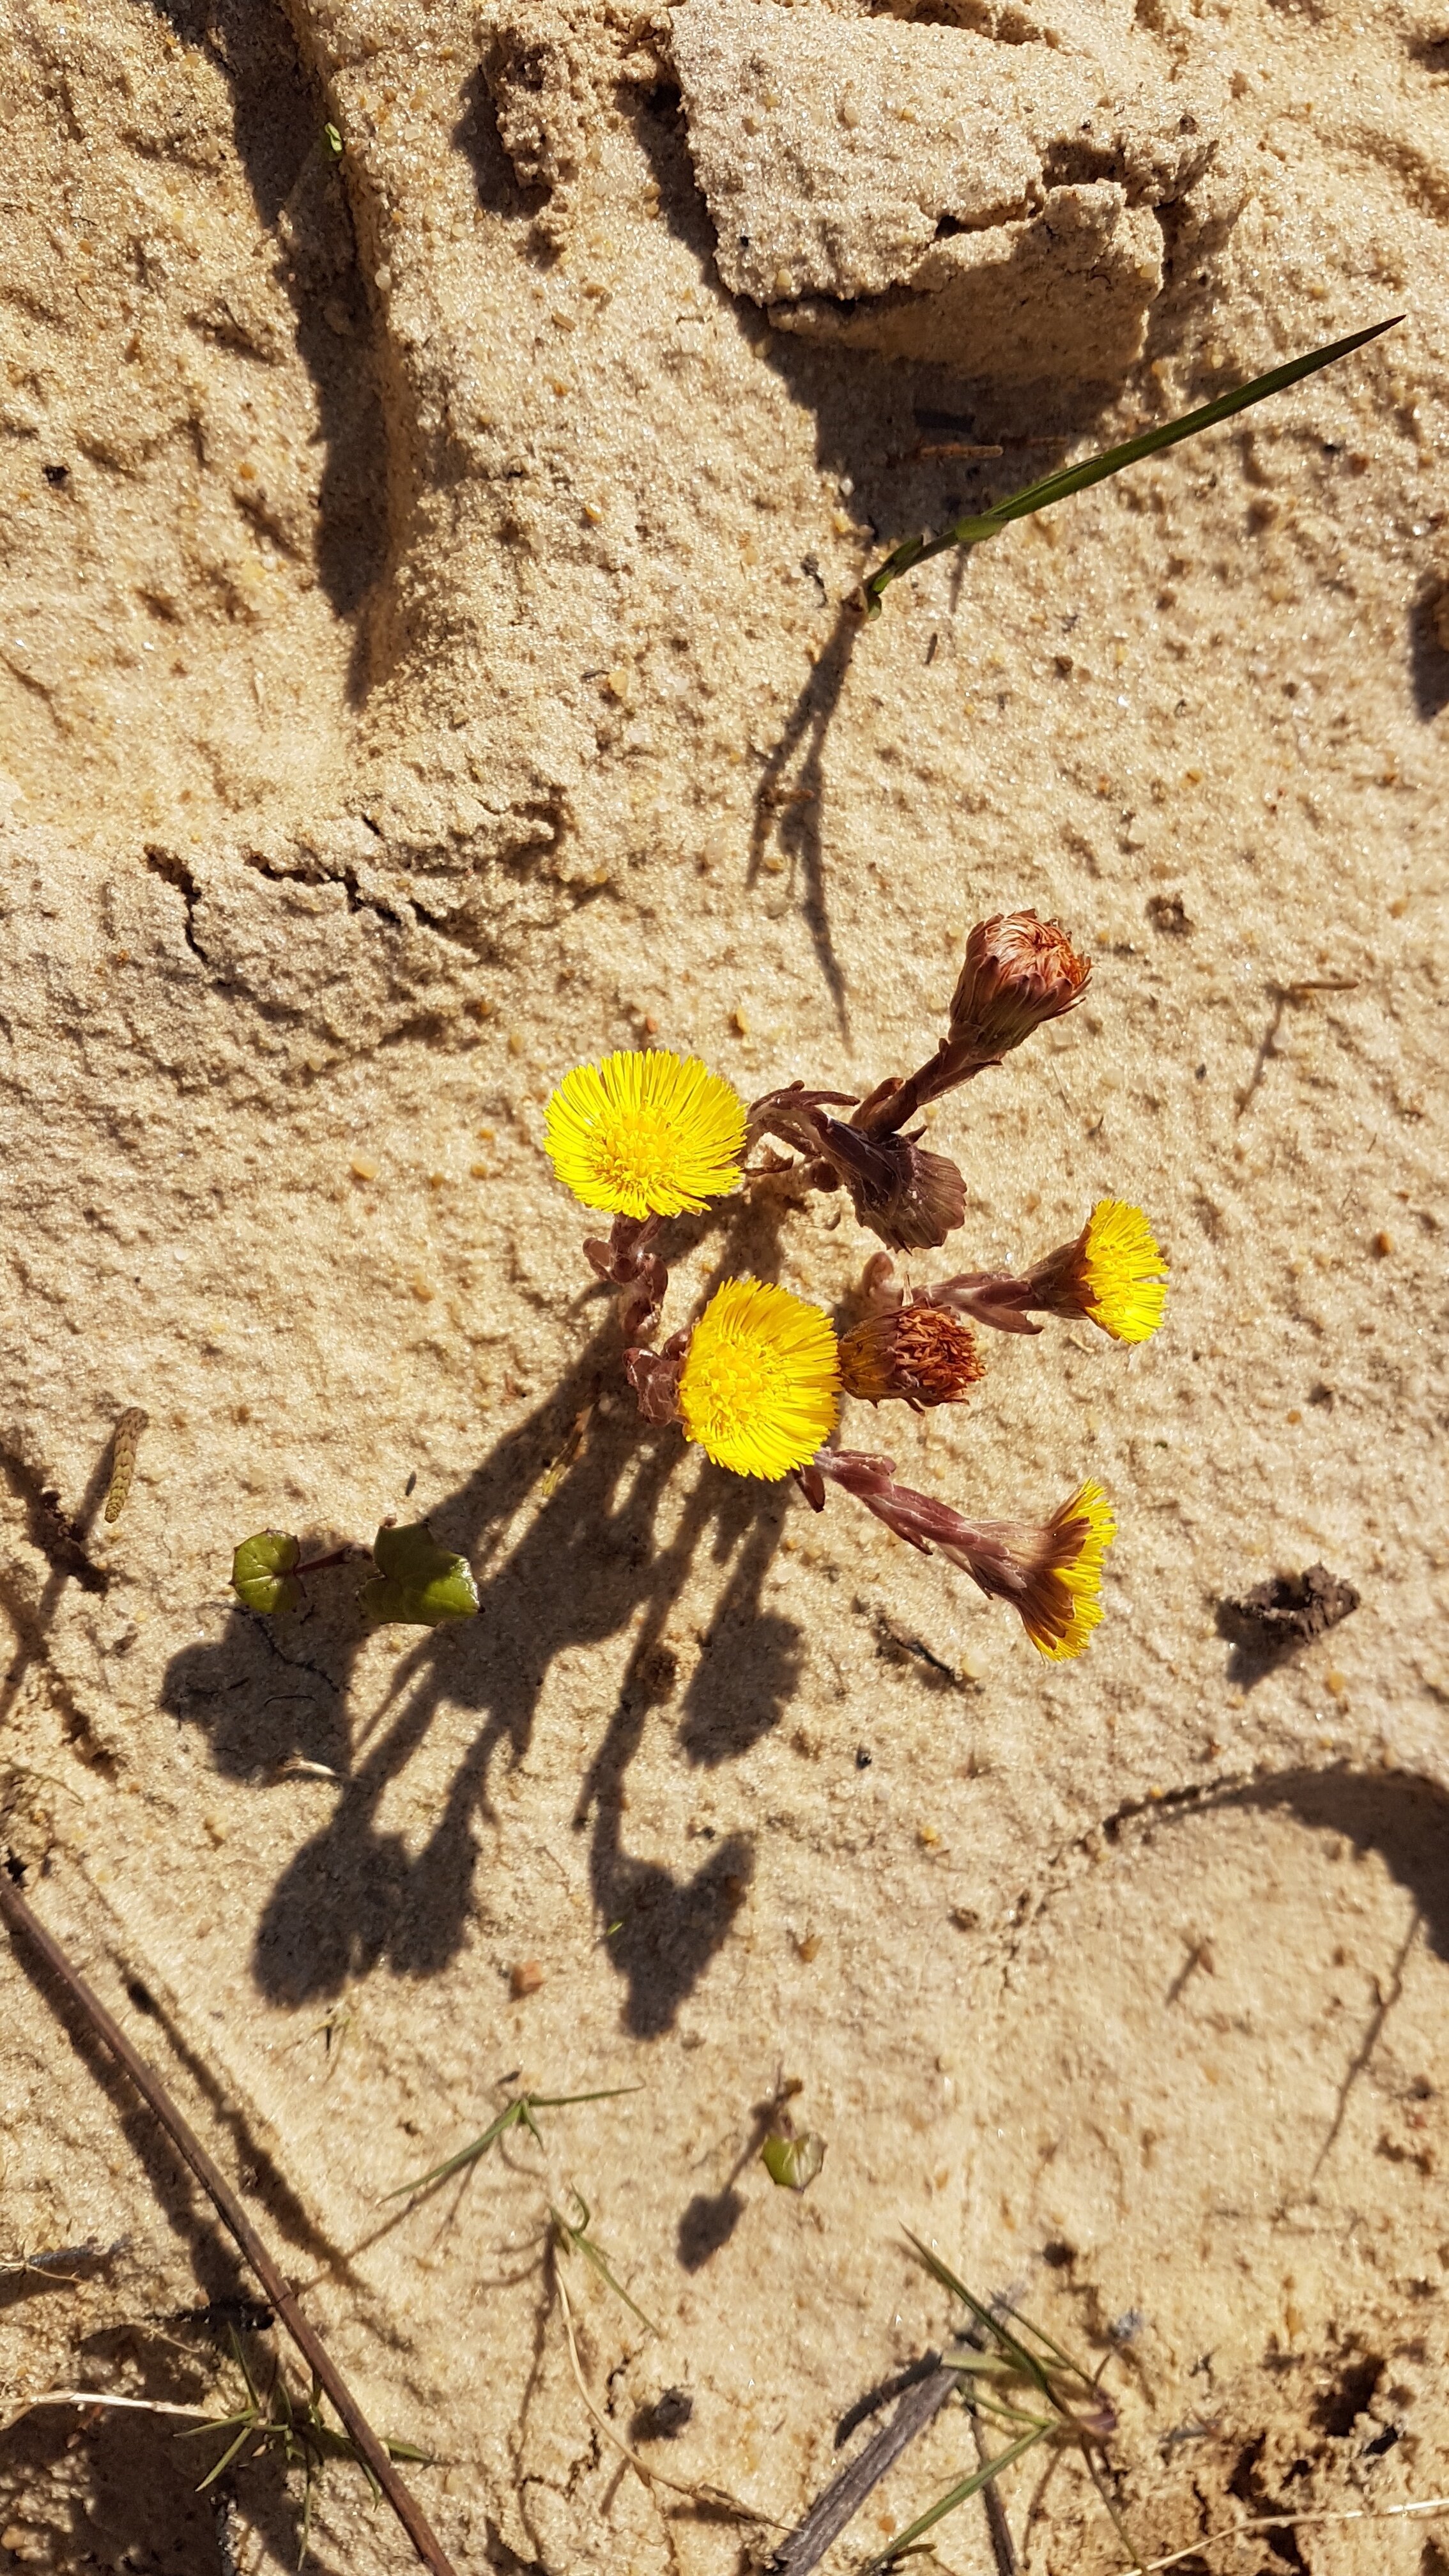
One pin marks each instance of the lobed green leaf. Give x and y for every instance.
(261, 1571)
(418, 1583)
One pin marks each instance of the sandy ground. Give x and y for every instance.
(426, 659)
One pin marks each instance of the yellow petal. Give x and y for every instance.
(645, 1134)
(759, 1386)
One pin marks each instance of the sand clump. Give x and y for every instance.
(427, 659)
(985, 206)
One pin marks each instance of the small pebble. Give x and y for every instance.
(525, 1979)
(1383, 1244)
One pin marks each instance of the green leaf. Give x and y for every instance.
(331, 142)
(971, 2486)
(261, 1571)
(1095, 469)
(419, 1584)
(793, 2163)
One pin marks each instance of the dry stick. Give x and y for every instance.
(1292, 2521)
(845, 2495)
(98, 2397)
(365, 2442)
(1003, 2548)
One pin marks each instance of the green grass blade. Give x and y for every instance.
(1044, 2339)
(508, 2119)
(562, 2101)
(570, 2233)
(216, 2424)
(1026, 2362)
(960, 2494)
(594, 2254)
(229, 2454)
(1095, 469)
(518, 2113)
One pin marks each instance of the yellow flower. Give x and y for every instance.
(646, 1134)
(758, 1389)
(1059, 1605)
(1122, 1272)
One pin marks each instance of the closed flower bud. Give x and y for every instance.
(1018, 973)
(919, 1353)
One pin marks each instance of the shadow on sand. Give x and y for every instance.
(567, 1553)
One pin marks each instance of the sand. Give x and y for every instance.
(428, 659)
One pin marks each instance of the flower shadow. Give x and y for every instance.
(567, 1553)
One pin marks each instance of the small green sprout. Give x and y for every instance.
(262, 1571)
(332, 142)
(1016, 2377)
(569, 2237)
(418, 1583)
(517, 2114)
(299, 2434)
(1096, 469)
(793, 2163)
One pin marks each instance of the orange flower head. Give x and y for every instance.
(918, 1352)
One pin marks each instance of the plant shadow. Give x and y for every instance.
(912, 445)
(559, 1522)
(1402, 1816)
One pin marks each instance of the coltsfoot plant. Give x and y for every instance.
(756, 1379)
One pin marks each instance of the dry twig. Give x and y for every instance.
(224, 2200)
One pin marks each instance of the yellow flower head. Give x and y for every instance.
(758, 1389)
(1122, 1273)
(646, 1134)
(1059, 1607)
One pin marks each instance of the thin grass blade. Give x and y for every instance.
(960, 2494)
(1026, 2361)
(231, 2452)
(571, 2234)
(518, 2113)
(564, 2101)
(468, 2155)
(1096, 469)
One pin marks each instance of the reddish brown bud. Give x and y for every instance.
(654, 1377)
(1018, 973)
(918, 1352)
(625, 1260)
(910, 1198)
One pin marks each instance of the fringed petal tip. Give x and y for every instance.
(1124, 1275)
(1060, 1606)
